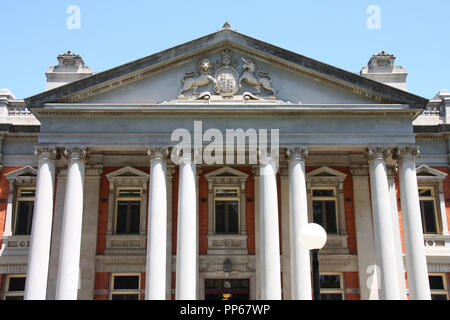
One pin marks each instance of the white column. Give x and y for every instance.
(9, 214)
(155, 288)
(298, 216)
(383, 225)
(416, 263)
(39, 252)
(368, 274)
(269, 231)
(69, 258)
(186, 266)
(397, 234)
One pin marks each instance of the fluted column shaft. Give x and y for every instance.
(39, 252)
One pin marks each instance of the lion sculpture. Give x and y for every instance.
(204, 68)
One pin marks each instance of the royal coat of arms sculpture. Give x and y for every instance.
(226, 80)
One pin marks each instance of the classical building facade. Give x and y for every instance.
(102, 197)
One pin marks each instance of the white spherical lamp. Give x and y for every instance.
(312, 236)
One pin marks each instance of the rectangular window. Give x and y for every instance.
(24, 211)
(128, 210)
(226, 208)
(14, 287)
(428, 210)
(438, 286)
(331, 287)
(125, 286)
(325, 208)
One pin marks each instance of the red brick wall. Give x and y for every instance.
(173, 284)
(142, 295)
(101, 283)
(4, 190)
(351, 281)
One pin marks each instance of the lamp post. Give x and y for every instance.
(313, 237)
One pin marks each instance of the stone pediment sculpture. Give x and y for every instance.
(226, 79)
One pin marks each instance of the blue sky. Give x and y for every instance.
(113, 32)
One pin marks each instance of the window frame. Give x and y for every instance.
(341, 290)
(222, 178)
(117, 198)
(334, 198)
(329, 178)
(7, 293)
(432, 188)
(18, 198)
(113, 291)
(236, 198)
(430, 177)
(444, 281)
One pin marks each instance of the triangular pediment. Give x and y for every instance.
(125, 172)
(283, 76)
(326, 172)
(226, 172)
(424, 172)
(25, 172)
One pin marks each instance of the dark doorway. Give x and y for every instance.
(227, 289)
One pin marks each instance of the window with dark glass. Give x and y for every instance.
(331, 287)
(428, 210)
(125, 287)
(226, 208)
(128, 208)
(24, 211)
(438, 286)
(324, 208)
(14, 287)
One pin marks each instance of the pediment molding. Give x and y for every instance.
(226, 175)
(226, 171)
(426, 173)
(242, 44)
(147, 72)
(128, 175)
(325, 174)
(23, 175)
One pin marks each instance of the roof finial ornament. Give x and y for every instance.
(226, 25)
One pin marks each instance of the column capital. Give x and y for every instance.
(45, 153)
(296, 153)
(264, 157)
(158, 153)
(181, 155)
(410, 152)
(76, 153)
(378, 153)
